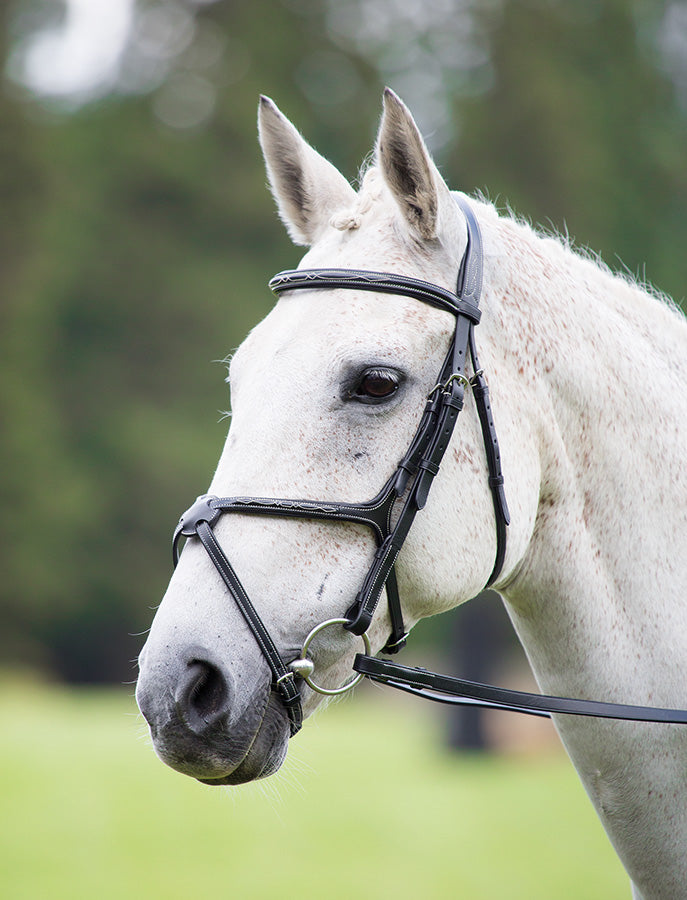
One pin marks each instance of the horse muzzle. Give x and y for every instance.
(202, 726)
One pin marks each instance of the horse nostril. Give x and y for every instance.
(203, 696)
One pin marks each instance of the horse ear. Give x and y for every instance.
(408, 168)
(307, 188)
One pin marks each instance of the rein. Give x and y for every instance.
(458, 692)
(390, 514)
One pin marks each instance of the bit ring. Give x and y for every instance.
(306, 676)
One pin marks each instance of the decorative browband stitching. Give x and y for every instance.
(378, 283)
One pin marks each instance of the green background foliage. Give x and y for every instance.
(137, 236)
(100, 816)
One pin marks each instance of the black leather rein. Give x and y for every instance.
(458, 692)
(390, 514)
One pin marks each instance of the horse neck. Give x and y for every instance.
(601, 365)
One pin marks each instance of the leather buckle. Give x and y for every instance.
(445, 386)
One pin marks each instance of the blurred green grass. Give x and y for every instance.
(369, 803)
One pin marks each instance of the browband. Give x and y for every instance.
(379, 283)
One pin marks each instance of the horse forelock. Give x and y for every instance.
(370, 193)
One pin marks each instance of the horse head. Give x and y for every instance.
(327, 393)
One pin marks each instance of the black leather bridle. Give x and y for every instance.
(390, 514)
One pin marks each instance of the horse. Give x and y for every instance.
(586, 370)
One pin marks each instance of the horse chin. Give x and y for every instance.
(265, 755)
(228, 756)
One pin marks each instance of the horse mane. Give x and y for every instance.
(562, 248)
(373, 190)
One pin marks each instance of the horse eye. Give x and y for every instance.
(376, 384)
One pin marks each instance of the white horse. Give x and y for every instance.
(587, 374)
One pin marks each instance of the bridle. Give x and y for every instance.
(390, 514)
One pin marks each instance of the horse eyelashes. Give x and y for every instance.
(375, 385)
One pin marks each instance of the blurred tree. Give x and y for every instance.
(137, 237)
(23, 190)
(580, 129)
(147, 258)
(573, 113)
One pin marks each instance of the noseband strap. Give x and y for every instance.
(389, 514)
